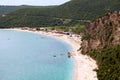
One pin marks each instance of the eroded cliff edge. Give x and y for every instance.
(102, 42)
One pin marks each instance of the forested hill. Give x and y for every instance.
(88, 9)
(77, 9)
(67, 14)
(7, 9)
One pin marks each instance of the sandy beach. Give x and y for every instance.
(84, 65)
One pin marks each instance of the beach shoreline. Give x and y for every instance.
(83, 64)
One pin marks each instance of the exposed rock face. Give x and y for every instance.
(103, 32)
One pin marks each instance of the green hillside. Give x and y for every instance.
(87, 9)
(67, 14)
(77, 9)
(8, 9)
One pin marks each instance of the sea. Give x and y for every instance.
(30, 56)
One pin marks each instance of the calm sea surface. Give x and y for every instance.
(29, 56)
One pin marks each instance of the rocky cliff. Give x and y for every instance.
(102, 33)
(102, 42)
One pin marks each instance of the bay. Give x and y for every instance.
(29, 56)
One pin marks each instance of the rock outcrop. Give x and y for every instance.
(102, 33)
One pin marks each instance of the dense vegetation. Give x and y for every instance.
(76, 9)
(8, 9)
(108, 61)
(68, 14)
(33, 21)
(87, 9)
(102, 42)
(76, 29)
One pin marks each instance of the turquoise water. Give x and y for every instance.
(29, 56)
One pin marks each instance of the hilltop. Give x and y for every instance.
(5, 9)
(88, 9)
(70, 13)
(77, 9)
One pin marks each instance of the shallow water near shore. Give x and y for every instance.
(29, 56)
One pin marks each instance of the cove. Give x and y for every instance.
(29, 56)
